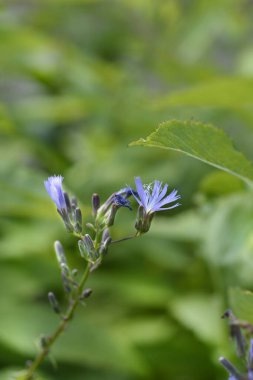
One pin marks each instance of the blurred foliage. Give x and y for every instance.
(80, 80)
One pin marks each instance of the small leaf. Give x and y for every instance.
(202, 141)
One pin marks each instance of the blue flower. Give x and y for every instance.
(153, 197)
(53, 186)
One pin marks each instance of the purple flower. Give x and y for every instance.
(153, 197)
(53, 186)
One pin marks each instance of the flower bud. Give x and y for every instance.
(105, 242)
(60, 255)
(65, 270)
(66, 282)
(90, 226)
(233, 372)
(112, 215)
(78, 220)
(87, 249)
(74, 202)
(74, 272)
(65, 217)
(95, 204)
(53, 302)
(44, 340)
(86, 293)
(67, 202)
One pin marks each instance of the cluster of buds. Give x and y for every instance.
(93, 246)
(235, 327)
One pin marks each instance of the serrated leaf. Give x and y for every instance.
(203, 142)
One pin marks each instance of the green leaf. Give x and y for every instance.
(241, 302)
(203, 142)
(219, 183)
(220, 92)
(228, 237)
(193, 311)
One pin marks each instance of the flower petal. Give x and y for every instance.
(141, 192)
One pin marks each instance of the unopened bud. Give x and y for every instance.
(95, 204)
(86, 293)
(105, 206)
(105, 235)
(87, 249)
(82, 250)
(74, 272)
(105, 242)
(65, 217)
(78, 220)
(88, 242)
(90, 226)
(74, 202)
(44, 341)
(65, 270)
(231, 369)
(67, 202)
(66, 282)
(90, 247)
(53, 302)
(112, 215)
(60, 255)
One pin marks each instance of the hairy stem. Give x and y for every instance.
(59, 330)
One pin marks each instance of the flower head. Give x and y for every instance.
(53, 186)
(153, 197)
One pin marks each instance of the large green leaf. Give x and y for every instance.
(202, 141)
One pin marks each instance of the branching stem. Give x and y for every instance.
(60, 329)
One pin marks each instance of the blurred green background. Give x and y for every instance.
(79, 81)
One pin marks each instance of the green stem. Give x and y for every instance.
(125, 238)
(60, 329)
